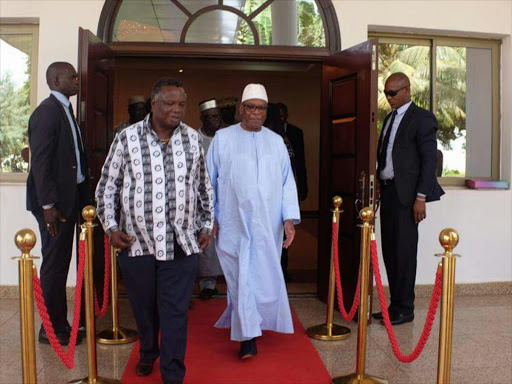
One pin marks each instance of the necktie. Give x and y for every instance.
(385, 143)
(80, 143)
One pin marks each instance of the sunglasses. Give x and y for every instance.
(251, 108)
(394, 92)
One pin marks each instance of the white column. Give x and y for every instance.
(284, 22)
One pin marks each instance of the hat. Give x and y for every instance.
(254, 91)
(136, 99)
(208, 104)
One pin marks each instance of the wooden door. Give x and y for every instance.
(95, 69)
(95, 101)
(348, 156)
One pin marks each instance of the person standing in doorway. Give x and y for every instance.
(136, 111)
(155, 180)
(57, 189)
(255, 201)
(209, 266)
(407, 156)
(295, 136)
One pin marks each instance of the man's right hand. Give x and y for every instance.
(120, 240)
(53, 218)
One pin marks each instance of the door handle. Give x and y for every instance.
(360, 202)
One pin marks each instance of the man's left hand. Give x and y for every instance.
(204, 240)
(289, 230)
(420, 210)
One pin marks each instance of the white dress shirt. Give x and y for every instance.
(65, 102)
(388, 172)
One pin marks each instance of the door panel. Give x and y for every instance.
(95, 63)
(344, 136)
(348, 155)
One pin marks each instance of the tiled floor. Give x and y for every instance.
(482, 346)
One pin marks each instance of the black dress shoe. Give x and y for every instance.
(248, 349)
(377, 316)
(207, 293)
(400, 318)
(63, 337)
(144, 368)
(80, 336)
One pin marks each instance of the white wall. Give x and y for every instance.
(482, 218)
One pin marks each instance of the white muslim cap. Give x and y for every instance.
(254, 91)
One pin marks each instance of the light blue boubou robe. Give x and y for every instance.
(255, 193)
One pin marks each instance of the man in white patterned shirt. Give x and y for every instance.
(156, 183)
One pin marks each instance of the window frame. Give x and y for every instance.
(433, 41)
(23, 27)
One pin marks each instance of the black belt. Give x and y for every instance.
(387, 182)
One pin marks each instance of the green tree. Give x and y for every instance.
(309, 25)
(414, 61)
(14, 115)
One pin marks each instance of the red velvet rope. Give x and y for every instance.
(67, 358)
(101, 312)
(434, 302)
(355, 303)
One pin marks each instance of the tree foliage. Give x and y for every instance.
(14, 115)
(414, 61)
(310, 29)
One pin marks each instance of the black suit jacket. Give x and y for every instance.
(296, 138)
(52, 176)
(415, 155)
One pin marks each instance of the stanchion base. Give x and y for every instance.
(322, 332)
(356, 379)
(123, 336)
(99, 380)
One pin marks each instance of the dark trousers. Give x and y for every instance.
(399, 247)
(57, 253)
(160, 292)
(54, 269)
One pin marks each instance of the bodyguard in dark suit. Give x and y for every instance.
(57, 188)
(407, 156)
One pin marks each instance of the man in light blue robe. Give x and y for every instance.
(255, 201)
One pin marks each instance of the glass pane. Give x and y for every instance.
(149, 20)
(219, 27)
(283, 22)
(195, 5)
(311, 32)
(464, 111)
(246, 6)
(414, 61)
(15, 75)
(287, 22)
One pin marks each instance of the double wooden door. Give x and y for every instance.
(348, 140)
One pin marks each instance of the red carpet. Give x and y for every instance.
(213, 359)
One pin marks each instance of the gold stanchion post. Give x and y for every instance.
(329, 330)
(449, 238)
(89, 214)
(360, 376)
(25, 240)
(116, 334)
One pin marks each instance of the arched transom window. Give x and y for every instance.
(239, 22)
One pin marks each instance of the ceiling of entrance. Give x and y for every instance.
(162, 20)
